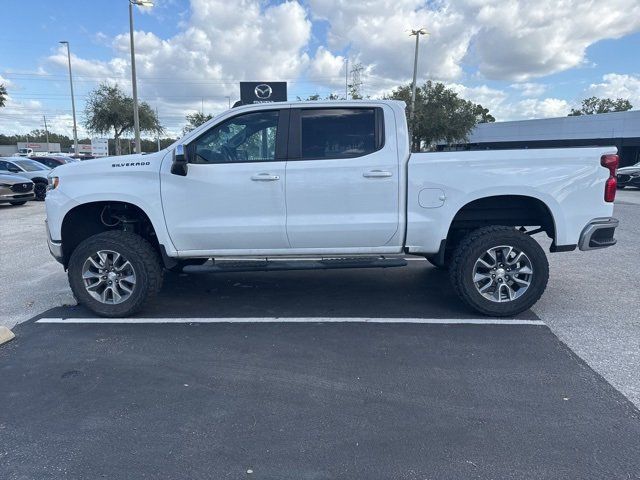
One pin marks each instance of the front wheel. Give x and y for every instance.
(114, 273)
(499, 271)
(40, 189)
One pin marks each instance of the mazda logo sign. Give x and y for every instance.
(263, 91)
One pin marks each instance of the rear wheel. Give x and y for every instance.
(115, 273)
(499, 271)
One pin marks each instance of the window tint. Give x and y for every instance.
(245, 138)
(337, 132)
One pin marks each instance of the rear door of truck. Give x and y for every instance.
(342, 178)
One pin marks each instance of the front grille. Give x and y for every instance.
(21, 187)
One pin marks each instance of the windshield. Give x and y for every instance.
(30, 165)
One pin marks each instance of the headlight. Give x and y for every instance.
(53, 183)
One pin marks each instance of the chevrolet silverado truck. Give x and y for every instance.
(283, 186)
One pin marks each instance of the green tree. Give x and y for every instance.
(194, 120)
(3, 95)
(483, 115)
(316, 96)
(109, 109)
(593, 105)
(440, 114)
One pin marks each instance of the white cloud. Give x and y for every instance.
(221, 43)
(523, 39)
(503, 107)
(510, 39)
(615, 85)
(530, 89)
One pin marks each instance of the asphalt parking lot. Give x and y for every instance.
(311, 398)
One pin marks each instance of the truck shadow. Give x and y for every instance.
(416, 291)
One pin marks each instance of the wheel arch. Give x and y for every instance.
(511, 210)
(90, 218)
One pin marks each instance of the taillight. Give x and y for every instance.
(611, 163)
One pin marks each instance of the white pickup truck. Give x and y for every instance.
(325, 185)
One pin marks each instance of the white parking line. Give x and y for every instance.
(437, 321)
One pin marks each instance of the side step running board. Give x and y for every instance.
(277, 265)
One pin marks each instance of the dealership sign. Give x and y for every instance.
(100, 147)
(262, 92)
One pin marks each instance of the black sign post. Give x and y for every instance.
(262, 92)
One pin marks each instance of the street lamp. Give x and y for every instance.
(417, 34)
(134, 86)
(73, 103)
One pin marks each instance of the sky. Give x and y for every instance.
(520, 58)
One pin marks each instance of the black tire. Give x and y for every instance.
(621, 187)
(40, 189)
(472, 247)
(18, 203)
(142, 256)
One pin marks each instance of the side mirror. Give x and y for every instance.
(180, 161)
(13, 169)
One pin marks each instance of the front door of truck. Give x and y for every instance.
(232, 197)
(342, 180)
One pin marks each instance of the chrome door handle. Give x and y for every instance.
(264, 177)
(377, 174)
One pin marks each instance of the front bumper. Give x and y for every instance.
(598, 234)
(17, 197)
(628, 180)
(54, 247)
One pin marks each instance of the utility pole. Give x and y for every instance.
(356, 81)
(417, 34)
(73, 103)
(158, 132)
(346, 79)
(229, 100)
(46, 132)
(134, 86)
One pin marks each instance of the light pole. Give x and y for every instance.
(134, 86)
(417, 34)
(73, 102)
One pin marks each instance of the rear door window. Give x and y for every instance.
(338, 133)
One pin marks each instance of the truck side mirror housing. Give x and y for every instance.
(180, 161)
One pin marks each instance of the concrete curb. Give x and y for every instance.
(5, 334)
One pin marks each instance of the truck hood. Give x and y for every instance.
(11, 179)
(124, 163)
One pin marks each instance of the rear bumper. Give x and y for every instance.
(598, 234)
(54, 247)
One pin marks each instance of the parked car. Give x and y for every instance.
(52, 161)
(23, 152)
(25, 167)
(335, 180)
(15, 190)
(629, 176)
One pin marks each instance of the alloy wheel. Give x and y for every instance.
(108, 277)
(502, 273)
